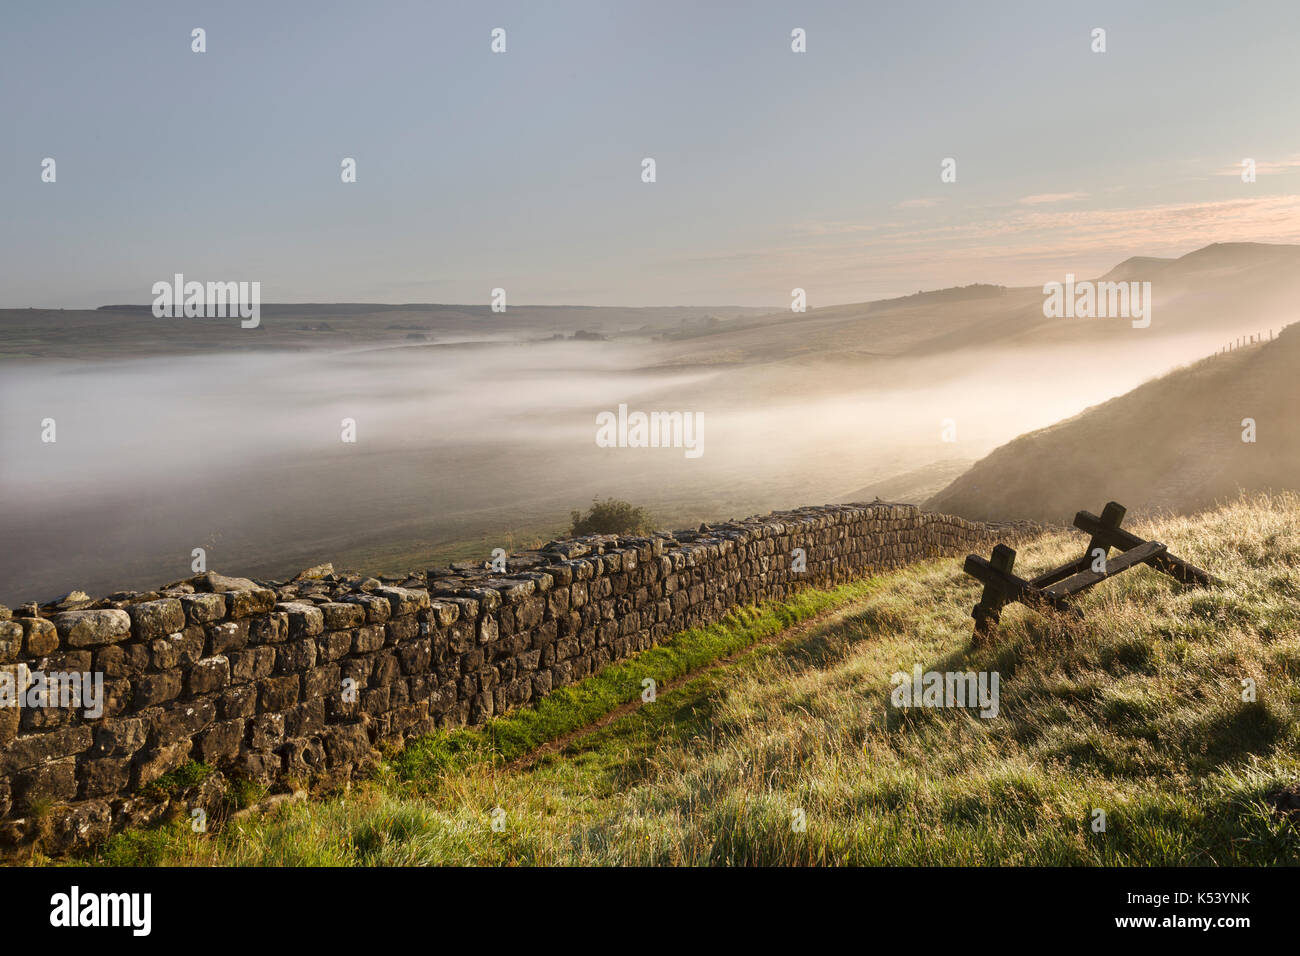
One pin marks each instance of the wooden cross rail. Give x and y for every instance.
(1052, 588)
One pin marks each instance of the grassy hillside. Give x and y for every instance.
(1136, 710)
(1174, 444)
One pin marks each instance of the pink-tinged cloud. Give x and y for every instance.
(1039, 199)
(1263, 167)
(1020, 246)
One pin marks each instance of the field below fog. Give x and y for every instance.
(476, 431)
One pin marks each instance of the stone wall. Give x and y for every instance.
(285, 684)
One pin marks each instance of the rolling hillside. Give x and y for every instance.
(1175, 444)
(1218, 288)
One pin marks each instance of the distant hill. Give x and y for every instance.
(131, 331)
(1137, 269)
(912, 487)
(1224, 288)
(1173, 444)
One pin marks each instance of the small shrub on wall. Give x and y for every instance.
(612, 516)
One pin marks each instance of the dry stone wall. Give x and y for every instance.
(288, 683)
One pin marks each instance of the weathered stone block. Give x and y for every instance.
(295, 656)
(227, 636)
(28, 751)
(220, 742)
(179, 721)
(445, 613)
(249, 601)
(269, 629)
(11, 641)
(305, 620)
(238, 701)
(121, 660)
(40, 637)
(278, 693)
(414, 656)
(332, 645)
(343, 615)
(386, 671)
(304, 757)
(151, 689)
(259, 766)
(347, 745)
(305, 718)
(367, 639)
(403, 601)
(401, 629)
(119, 736)
(460, 638)
(357, 669)
(377, 608)
(322, 681)
(208, 675)
(152, 764)
(151, 619)
(266, 731)
(92, 628)
(106, 776)
(203, 608)
(251, 664)
(49, 782)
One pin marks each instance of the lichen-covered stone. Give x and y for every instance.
(40, 637)
(341, 615)
(151, 619)
(203, 608)
(305, 620)
(249, 601)
(92, 628)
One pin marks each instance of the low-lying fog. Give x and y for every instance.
(458, 444)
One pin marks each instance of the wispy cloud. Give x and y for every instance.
(1013, 245)
(1039, 199)
(917, 204)
(1263, 167)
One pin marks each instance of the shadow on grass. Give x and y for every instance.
(692, 709)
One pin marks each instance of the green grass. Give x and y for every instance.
(513, 735)
(189, 774)
(423, 763)
(1136, 710)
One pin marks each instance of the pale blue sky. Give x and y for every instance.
(522, 170)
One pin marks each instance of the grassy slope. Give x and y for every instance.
(1174, 443)
(1137, 710)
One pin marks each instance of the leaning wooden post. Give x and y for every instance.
(987, 612)
(1111, 516)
